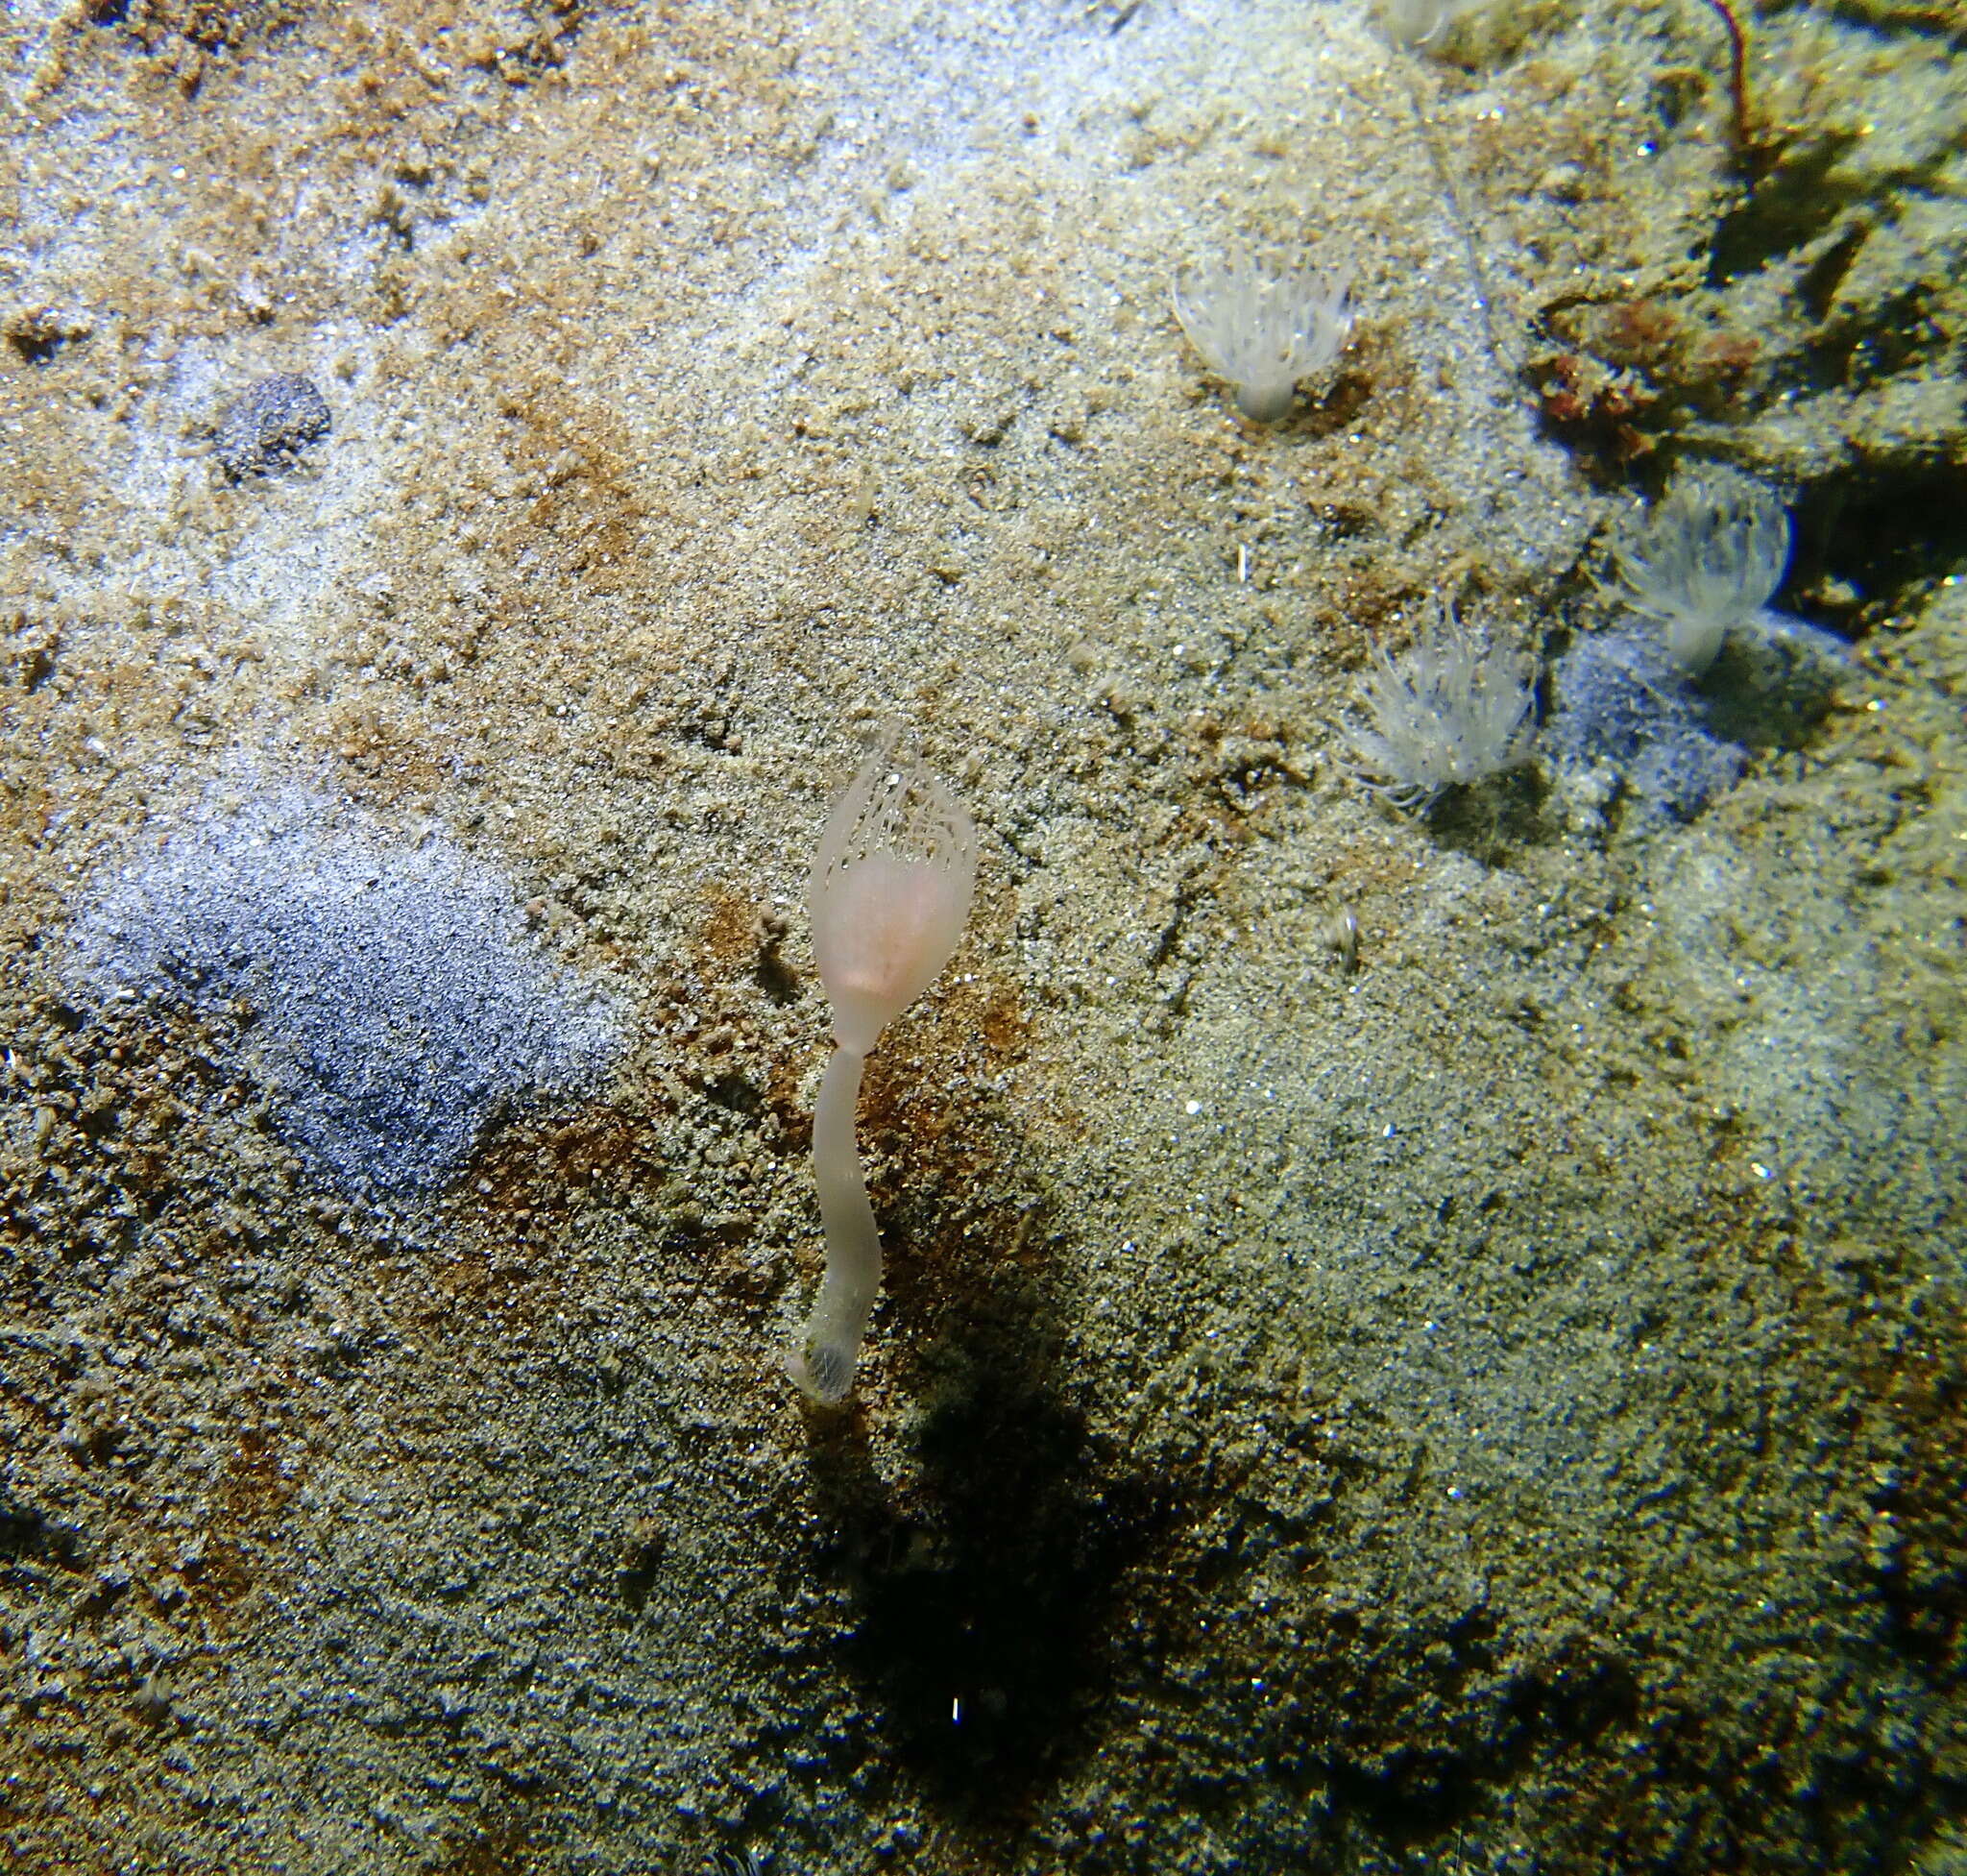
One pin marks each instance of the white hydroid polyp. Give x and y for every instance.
(1264, 328)
(1709, 558)
(1452, 710)
(889, 894)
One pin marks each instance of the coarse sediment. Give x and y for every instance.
(1488, 1395)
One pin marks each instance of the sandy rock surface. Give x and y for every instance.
(1409, 1341)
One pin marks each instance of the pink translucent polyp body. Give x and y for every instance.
(889, 892)
(881, 930)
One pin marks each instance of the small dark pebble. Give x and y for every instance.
(268, 428)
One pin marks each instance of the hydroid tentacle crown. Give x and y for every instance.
(889, 894)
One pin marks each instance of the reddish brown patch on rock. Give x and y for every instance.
(262, 1477)
(587, 514)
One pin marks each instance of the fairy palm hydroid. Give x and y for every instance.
(890, 894)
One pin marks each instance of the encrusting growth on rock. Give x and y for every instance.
(265, 430)
(890, 894)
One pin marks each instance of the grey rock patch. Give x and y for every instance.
(266, 429)
(393, 1000)
(1622, 703)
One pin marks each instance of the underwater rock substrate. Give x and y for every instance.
(1623, 703)
(393, 1002)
